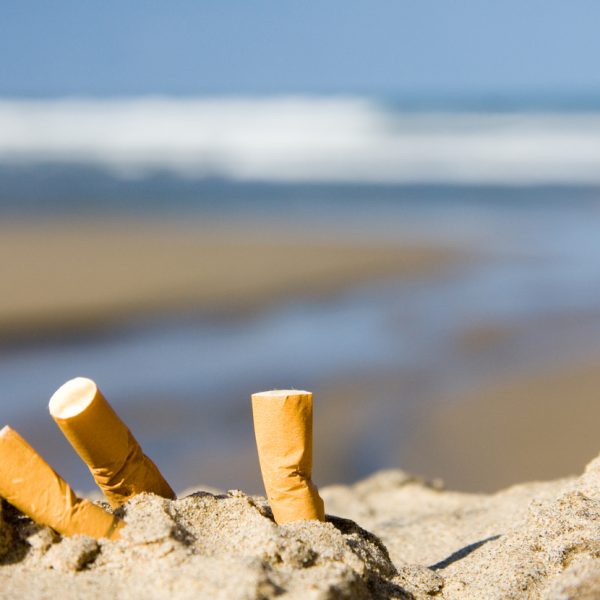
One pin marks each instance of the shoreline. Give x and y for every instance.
(81, 276)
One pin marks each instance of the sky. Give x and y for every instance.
(381, 47)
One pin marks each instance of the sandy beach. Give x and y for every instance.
(408, 539)
(391, 535)
(537, 425)
(76, 276)
(82, 277)
(299, 306)
(524, 423)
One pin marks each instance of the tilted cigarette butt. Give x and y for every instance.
(283, 429)
(30, 484)
(104, 443)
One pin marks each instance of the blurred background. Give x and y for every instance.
(395, 205)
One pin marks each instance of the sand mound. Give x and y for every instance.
(537, 540)
(203, 545)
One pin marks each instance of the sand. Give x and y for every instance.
(391, 535)
(64, 276)
(408, 538)
(541, 424)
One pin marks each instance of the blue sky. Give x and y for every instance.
(421, 47)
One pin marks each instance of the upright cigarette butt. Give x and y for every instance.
(30, 484)
(283, 429)
(104, 443)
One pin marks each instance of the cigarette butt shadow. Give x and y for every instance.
(202, 494)
(16, 555)
(379, 583)
(18, 547)
(348, 527)
(462, 553)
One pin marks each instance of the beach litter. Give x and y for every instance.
(29, 483)
(283, 429)
(104, 443)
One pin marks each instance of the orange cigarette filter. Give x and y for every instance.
(104, 443)
(30, 484)
(283, 429)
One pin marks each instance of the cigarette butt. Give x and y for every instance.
(283, 429)
(29, 483)
(104, 443)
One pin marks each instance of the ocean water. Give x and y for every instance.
(305, 139)
(521, 188)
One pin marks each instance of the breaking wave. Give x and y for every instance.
(303, 139)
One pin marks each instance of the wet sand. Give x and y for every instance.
(60, 277)
(538, 425)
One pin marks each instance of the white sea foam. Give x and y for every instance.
(303, 139)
